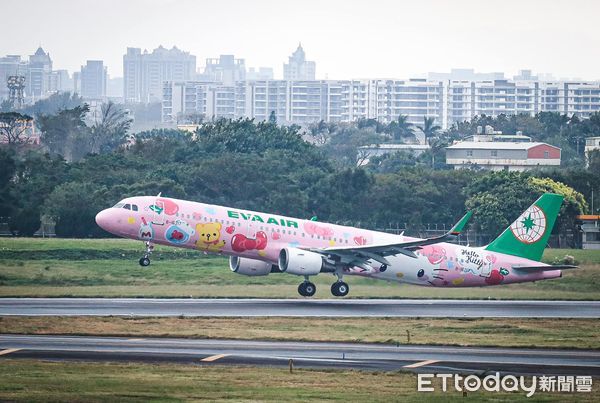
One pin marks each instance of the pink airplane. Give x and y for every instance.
(259, 244)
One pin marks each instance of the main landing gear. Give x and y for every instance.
(338, 289)
(145, 260)
(307, 289)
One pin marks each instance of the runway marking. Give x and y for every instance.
(421, 363)
(214, 357)
(135, 339)
(9, 350)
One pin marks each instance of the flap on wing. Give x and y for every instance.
(532, 269)
(405, 248)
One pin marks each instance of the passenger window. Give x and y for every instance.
(127, 206)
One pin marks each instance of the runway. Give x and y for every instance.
(424, 358)
(431, 308)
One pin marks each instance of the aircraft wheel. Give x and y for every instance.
(340, 289)
(144, 261)
(307, 289)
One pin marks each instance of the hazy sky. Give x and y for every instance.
(347, 38)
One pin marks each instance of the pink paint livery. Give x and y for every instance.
(259, 244)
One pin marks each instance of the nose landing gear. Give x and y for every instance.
(145, 260)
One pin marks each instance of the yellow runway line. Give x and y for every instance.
(214, 357)
(421, 363)
(9, 350)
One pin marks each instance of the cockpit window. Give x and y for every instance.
(127, 206)
(118, 205)
(134, 207)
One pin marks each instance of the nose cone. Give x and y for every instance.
(103, 219)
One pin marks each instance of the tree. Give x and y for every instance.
(13, 128)
(54, 104)
(497, 198)
(429, 128)
(8, 167)
(111, 130)
(191, 118)
(273, 118)
(73, 207)
(400, 128)
(66, 133)
(35, 176)
(593, 161)
(6, 106)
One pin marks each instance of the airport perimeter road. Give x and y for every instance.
(298, 308)
(428, 359)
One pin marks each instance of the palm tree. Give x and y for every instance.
(403, 127)
(429, 128)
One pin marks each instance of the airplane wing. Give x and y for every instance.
(378, 252)
(531, 269)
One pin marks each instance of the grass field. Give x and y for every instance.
(25, 380)
(109, 268)
(550, 333)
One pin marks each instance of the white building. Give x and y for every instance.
(307, 101)
(144, 73)
(226, 70)
(377, 150)
(93, 80)
(298, 68)
(498, 156)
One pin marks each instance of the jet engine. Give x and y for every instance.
(302, 262)
(250, 267)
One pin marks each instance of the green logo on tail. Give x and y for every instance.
(530, 227)
(528, 235)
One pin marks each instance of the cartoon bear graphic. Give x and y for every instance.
(209, 239)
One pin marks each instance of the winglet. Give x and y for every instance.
(461, 224)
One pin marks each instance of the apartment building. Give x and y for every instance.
(298, 68)
(307, 101)
(144, 73)
(93, 78)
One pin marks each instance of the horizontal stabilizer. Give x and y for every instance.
(531, 269)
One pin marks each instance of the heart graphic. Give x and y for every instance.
(230, 229)
(360, 240)
(276, 236)
(170, 207)
(177, 235)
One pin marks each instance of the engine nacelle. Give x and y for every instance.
(249, 267)
(302, 262)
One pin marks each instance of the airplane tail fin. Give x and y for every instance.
(528, 235)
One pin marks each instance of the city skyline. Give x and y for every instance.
(345, 40)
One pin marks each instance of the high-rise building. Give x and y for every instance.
(38, 74)
(144, 73)
(11, 65)
(60, 81)
(93, 80)
(304, 102)
(40, 79)
(226, 70)
(262, 73)
(298, 68)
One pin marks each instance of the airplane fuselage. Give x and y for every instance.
(261, 236)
